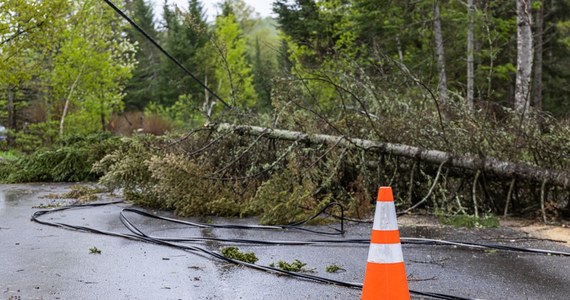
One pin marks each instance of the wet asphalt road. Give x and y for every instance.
(42, 262)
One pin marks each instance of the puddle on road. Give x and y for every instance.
(209, 233)
(11, 198)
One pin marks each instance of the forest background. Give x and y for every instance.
(484, 81)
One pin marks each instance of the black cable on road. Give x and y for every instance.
(404, 240)
(423, 241)
(294, 226)
(172, 58)
(139, 235)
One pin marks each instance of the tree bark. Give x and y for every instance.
(10, 107)
(537, 81)
(399, 46)
(67, 100)
(440, 53)
(207, 106)
(524, 57)
(102, 115)
(488, 165)
(470, 68)
(11, 113)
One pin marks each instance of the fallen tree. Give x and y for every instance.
(488, 165)
(284, 176)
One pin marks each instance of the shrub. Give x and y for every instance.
(70, 160)
(125, 167)
(35, 136)
(152, 173)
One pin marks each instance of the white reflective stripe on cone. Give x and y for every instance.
(385, 216)
(385, 253)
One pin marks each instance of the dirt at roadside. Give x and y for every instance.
(538, 230)
(534, 229)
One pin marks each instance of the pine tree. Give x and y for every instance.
(185, 36)
(301, 22)
(172, 79)
(196, 32)
(143, 86)
(262, 78)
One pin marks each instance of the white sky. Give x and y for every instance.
(263, 7)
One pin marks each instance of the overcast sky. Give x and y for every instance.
(263, 7)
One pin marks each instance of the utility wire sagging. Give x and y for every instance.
(172, 58)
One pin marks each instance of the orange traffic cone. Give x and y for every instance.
(385, 276)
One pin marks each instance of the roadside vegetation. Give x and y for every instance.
(470, 221)
(68, 160)
(90, 99)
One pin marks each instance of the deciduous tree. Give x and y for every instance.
(233, 71)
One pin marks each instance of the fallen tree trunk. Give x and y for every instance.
(488, 165)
